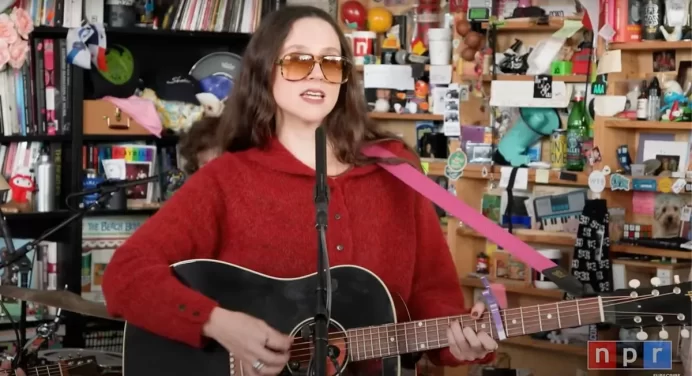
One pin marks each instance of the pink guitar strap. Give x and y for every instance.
(473, 218)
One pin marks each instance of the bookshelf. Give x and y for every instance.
(149, 45)
(541, 356)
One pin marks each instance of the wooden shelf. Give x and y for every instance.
(361, 68)
(567, 239)
(527, 341)
(404, 117)
(434, 167)
(529, 236)
(580, 178)
(649, 46)
(520, 77)
(529, 24)
(516, 288)
(651, 264)
(654, 252)
(652, 125)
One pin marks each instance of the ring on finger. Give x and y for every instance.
(257, 365)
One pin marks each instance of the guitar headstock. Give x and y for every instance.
(639, 307)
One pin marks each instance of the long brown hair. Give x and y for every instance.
(249, 117)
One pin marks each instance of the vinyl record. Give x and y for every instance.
(217, 72)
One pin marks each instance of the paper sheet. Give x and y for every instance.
(643, 203)
(521, 181)
(569, 28)
(610, 62)
(542, 176)
(440, 74)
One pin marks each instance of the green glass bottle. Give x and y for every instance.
(577, 133)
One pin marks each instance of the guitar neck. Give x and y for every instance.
(47, 370)
(402, 338)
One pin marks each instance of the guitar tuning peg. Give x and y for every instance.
(676, 279)
(634, 283)
(655, 281)
(642, 335)
(663, 334)
(685, 333)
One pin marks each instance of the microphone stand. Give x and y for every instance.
(19, 256)
(22, 268)
(324, 291)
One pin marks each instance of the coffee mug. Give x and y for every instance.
(362, 45)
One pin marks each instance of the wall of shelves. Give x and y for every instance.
(542, 356)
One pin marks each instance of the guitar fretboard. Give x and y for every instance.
(402, 338)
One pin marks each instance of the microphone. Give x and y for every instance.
(318, 362)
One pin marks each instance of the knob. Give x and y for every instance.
(676, 279)
(642, 336)
(663, 334)
(634, 283)
(685, 333)
(655, 281)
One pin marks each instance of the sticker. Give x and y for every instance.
(542, 176)
(686, 213)
(456, 161)
(599, 87)
(606, 170)
(451, 174)
(425, 166)
(619, 183)
(594, 156)
(543, 86)
(665, 185)
(679, 185)
(597, 181)
(644, 185)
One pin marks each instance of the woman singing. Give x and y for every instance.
(253, 205)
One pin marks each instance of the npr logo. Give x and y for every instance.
(655, 355)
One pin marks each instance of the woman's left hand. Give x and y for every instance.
(467, 345)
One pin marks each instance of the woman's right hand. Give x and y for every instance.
(262, 349)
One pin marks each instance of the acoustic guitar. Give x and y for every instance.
(363, 320)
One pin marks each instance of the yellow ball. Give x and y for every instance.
(379, 19)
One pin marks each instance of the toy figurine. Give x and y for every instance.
(674, 102)
(482, 263)
(22, 187)
(419, 102)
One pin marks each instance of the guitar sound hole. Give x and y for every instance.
(302, 349)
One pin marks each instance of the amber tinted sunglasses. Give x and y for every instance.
(297, 66)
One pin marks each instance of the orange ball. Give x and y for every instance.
(379, 19)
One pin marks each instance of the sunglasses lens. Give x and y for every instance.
(335, 68)
(295, 67)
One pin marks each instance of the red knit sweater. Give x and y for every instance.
(254, 209)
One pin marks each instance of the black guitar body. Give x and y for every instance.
(359, 299)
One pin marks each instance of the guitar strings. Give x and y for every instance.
(305, 354)
(513, 311)
(41, 370)
(356, 338)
